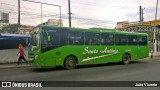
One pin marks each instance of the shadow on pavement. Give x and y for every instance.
(46, 69)
(107, 64)
(58, 68)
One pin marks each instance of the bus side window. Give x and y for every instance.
(107, 39)
(44, 38)
(120, 39)
(132, 40)
(142, 40)
(92, 38)
(75, 38)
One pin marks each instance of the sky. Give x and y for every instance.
(85, 13)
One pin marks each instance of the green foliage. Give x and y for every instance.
(11, 28)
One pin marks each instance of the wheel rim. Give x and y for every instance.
(70, 63)
(126, 59)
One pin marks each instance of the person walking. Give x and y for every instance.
(21, 54)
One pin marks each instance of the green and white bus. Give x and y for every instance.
(68, 47)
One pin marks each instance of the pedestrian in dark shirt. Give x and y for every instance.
(21, 54)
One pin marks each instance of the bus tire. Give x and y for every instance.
(126, 59)
(70, 63)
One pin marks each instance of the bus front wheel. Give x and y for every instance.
(70, 63)
(126, 59)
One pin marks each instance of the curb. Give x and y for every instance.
(7, 66)
(153, 58)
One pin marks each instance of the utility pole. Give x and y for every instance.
(19, 24)
(154, 31)
(140, 15)
(69, 12)
(154, 41)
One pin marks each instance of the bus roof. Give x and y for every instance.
(97, 30)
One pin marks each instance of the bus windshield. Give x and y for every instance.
(52, 38)
(35, 40)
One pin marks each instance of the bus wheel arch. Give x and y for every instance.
(70, 62)
(126, 58)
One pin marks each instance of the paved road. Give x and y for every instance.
(136, 71)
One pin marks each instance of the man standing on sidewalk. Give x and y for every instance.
(21, 54)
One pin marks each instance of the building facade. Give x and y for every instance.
(50, 22)
(123, 24)
(4, 17)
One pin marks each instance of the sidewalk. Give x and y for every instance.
(14, 65)
(156, 56)
(153, 58)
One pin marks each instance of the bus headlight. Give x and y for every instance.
(36, 57)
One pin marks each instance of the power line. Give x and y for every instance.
(13, 6)
(92, 21)
(64, 16)
(98, 5)
(31, 17)
(95, 20)
(134, 18)
(26, 8)
(28, 13)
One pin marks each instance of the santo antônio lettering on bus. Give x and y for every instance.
(87, 50)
